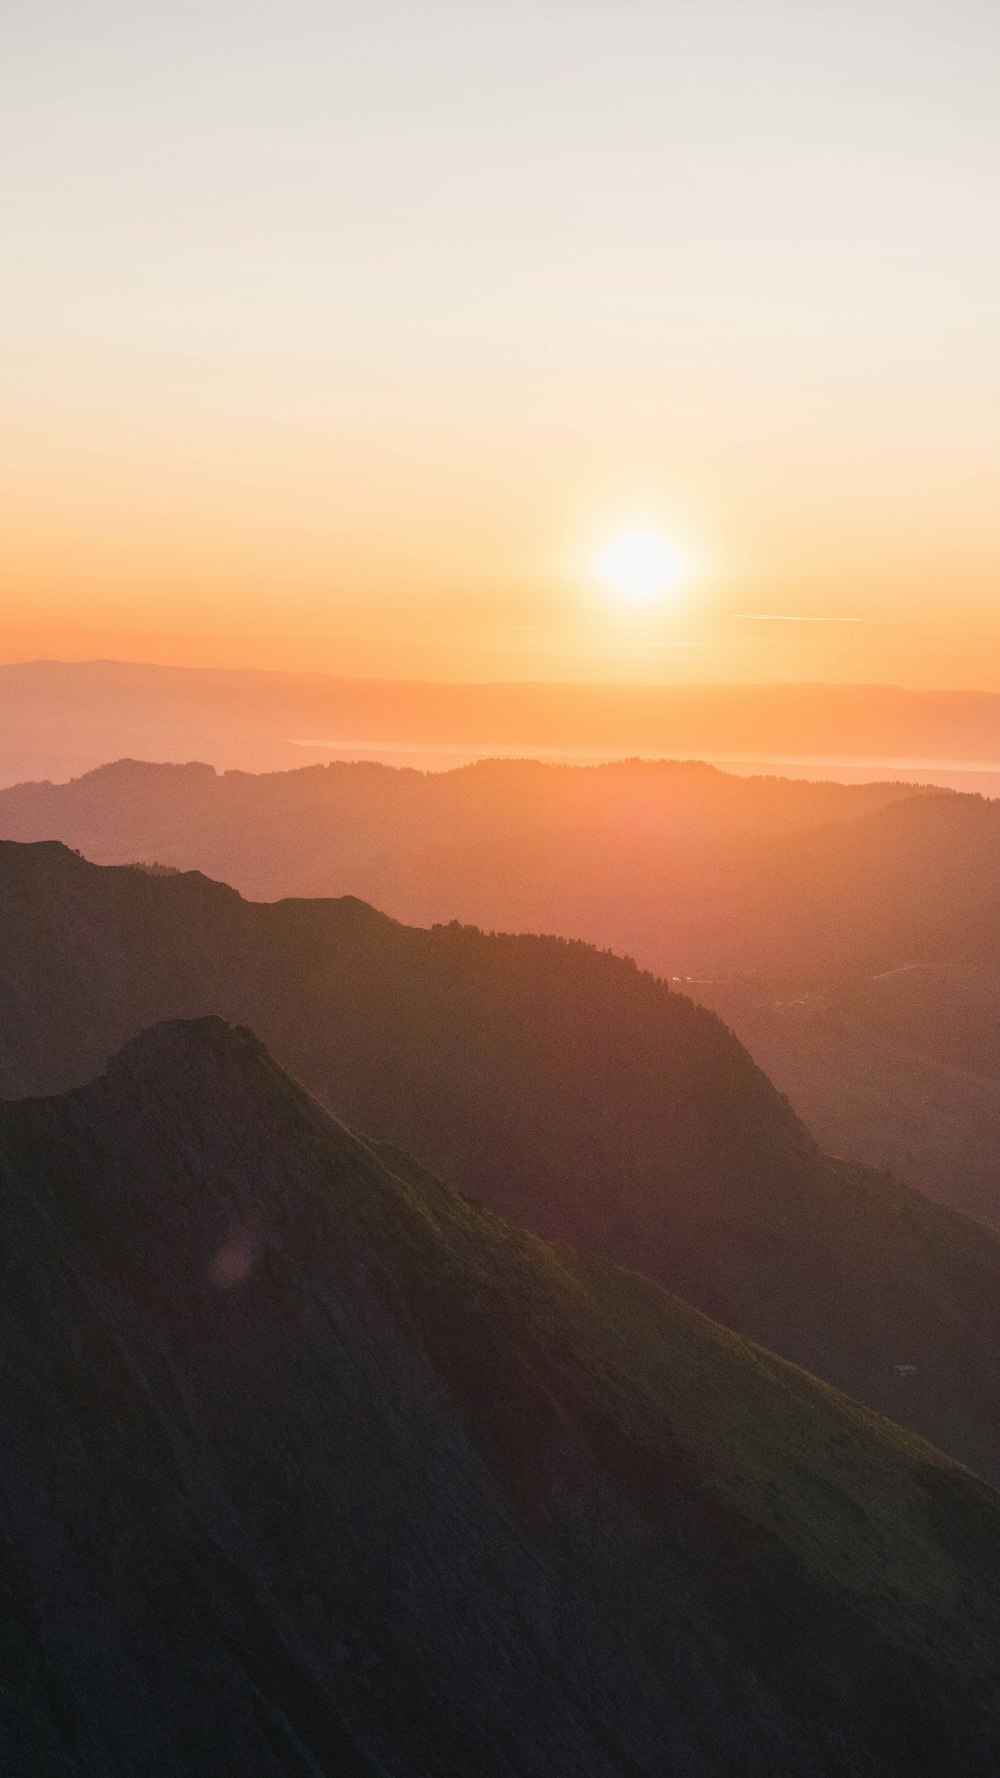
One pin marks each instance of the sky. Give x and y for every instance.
(351, 338)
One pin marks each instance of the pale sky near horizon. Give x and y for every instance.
(347, 337)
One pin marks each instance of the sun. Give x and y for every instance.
(640, 566)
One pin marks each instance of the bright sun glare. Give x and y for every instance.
(640, 566)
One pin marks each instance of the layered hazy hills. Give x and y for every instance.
(819, 897)
(687, 868)
(311, 1466)
(564, 1087)
(497, 837)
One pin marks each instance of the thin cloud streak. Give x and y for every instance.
(793, 617)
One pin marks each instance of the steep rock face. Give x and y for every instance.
(312, 1466)
(562, 1086)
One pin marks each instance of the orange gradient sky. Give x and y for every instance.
(347, 338)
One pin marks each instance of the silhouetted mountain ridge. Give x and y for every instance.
(563, 1086)
(809, 893)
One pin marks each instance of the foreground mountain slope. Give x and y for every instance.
(574, 1094)
(312, 1466)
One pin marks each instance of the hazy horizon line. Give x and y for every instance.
(595, 685)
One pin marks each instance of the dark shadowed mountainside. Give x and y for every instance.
(310, 1466)
(569, 1090)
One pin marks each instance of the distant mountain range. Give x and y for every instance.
(501, 838)
(312, 1466)
(59, 718)
(687, 868)
(848, 933)
(562, 1086)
